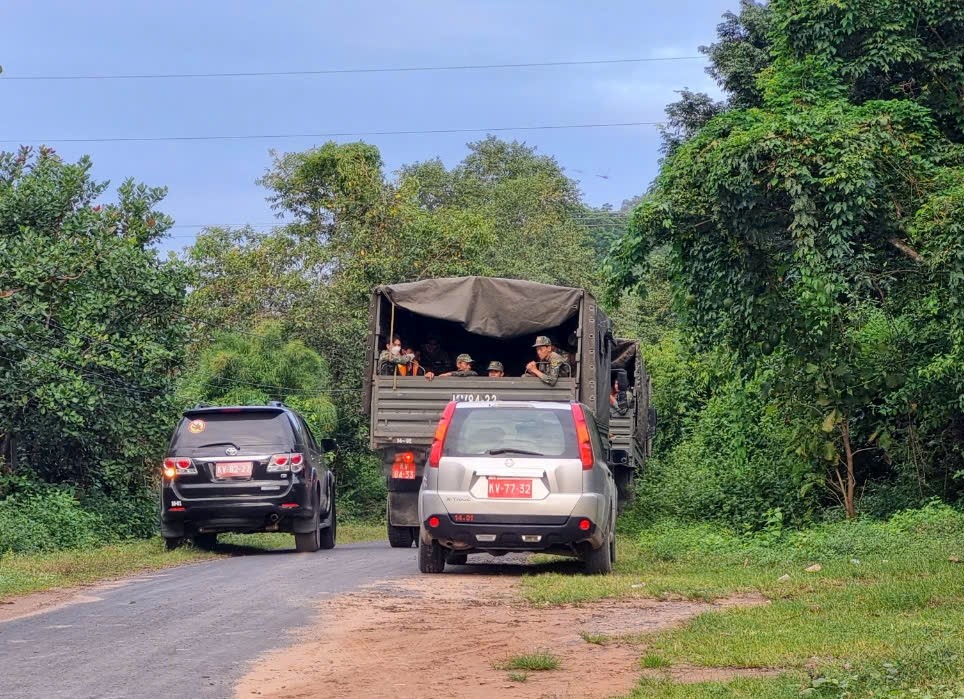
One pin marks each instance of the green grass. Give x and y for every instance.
(25, 573)
(531, 662)
(884, 615)
(518, 676)
(654, 662)
(598, 639)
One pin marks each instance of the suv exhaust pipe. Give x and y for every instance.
(273, 518)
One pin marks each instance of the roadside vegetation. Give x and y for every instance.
(843, 609)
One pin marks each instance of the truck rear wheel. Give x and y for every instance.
(400, 537)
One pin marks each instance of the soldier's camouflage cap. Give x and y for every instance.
(496, 366)
(464, 358)
(543, 341)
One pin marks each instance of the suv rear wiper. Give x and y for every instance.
(217, 444)
(507, 450)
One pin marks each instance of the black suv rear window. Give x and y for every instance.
(246, 430)
(541, 431)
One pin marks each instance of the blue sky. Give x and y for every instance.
(213, 182)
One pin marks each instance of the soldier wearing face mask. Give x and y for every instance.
(392, 357)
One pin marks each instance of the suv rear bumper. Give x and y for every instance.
(289, 513)
(556, 534)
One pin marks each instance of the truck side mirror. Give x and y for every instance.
(652, 419)
(328, 444)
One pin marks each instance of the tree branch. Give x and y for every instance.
(905, 248)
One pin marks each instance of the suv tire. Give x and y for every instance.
(310, 542)
(600, 561)
(328, 533)
(400, 537)
(431, 557)
(206, 542)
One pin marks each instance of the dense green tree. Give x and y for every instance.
(819, 230)
(91, 331)
(252, 368)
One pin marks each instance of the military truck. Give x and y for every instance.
(490, 319)
(631, 425)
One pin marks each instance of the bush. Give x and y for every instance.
(735, 463)
(47, 522)
(361, 486)
(132, 516)
(931, 528)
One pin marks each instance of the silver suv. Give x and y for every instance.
(517, 476)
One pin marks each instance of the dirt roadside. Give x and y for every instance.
(444, 636)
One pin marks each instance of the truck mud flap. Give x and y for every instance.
(403, 509)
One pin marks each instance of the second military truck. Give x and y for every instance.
(490, 319)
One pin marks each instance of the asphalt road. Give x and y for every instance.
(182, 632)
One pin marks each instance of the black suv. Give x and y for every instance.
(247, 469)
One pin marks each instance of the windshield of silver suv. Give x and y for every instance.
(512, 431)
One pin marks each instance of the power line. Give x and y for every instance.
(347, 71)
(331, 134)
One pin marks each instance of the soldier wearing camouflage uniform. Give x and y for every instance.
(552, 364)
(464, 363)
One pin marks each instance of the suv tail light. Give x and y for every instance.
(435, 455)
(286, 462)
(180, 465)
(583, 438)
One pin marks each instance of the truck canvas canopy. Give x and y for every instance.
(480, 304)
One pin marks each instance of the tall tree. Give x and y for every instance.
(817, 232)
(91, 331)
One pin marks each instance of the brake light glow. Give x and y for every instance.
(582, 437)
(435, 455)
(289, 505)
(179, 466)
(433, 521)
(286, 462)
(585, 525)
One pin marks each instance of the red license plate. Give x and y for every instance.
(233, 469)
(404, 471)
(510, 487)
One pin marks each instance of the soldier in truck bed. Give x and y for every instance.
(463, 362)
(553, 365)
(392, 357)
(434, 358)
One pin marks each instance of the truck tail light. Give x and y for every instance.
(286, 462)
(582, 437)
(179, 466)
(438, 443)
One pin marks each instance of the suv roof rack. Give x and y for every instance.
(201, 405)
(276, 404)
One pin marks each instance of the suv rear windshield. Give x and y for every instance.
(512, 431)
(246, 430)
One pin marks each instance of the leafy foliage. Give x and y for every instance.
(90, 327)
(797, 237)
(260, 366)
